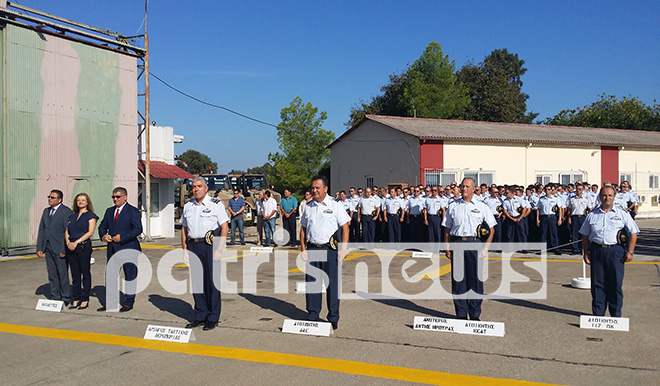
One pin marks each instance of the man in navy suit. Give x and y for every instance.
(50, 244)
(120, 228)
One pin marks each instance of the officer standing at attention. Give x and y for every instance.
(319, 224)
(601, 243)
(494, 203)
(463, 218)
(433, 214)
(393, 212)
(354, 228)
(416, 205)
(368, 211)
(202, 218)
(548, 218)
(578, 208)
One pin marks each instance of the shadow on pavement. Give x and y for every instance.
(277, 305)
(174, 306)
(43, 289)
(538, 306)
(408, 305)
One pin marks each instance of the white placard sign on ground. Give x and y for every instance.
(261, 249)
(306, 327)
(604, 323)
(301, 287)
(50, 305)
(433, 324)
(422, 254)
(459, 326)
(169, 334)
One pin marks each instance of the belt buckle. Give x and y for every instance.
(464, 238)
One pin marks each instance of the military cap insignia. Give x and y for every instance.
(333, 244)
(208, 237)
(500, 209)
(555, 209)
(483, 231)
(586, 211)
(623, 237)
(398, 212)
(519, 209)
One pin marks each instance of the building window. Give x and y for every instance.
(480, 177)
(625, 177)
(569, 178)
(369, 183)
(653, 181)
(437, 178)
(543, 179)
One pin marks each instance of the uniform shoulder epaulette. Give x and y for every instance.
(215, 200)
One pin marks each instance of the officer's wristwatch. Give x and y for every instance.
(631, 253)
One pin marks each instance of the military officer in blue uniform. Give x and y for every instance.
(368, 210)
(513, 211)
(322, 221)
(548, 218)
(578, 208)
(495, 204)
(354, 227)
(416, 205)
(463, 218)
(203, 218)
(603, 250)
(433, 214)
(393, 213)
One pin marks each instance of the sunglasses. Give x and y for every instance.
(53, 197)
(117, 197)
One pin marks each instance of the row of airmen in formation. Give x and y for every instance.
(551, 214)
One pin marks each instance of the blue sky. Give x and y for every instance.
(256, 56)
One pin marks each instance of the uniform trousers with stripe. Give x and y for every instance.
(576, 224)
(394, 228)
(607, 268)
(207, 304)
(435, 228)
(469, 281)
(368, 229)
(313, 292)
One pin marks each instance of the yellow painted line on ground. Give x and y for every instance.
(435, 273)
(257, 356)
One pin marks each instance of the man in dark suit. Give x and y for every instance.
(50, 243)
(120, 228)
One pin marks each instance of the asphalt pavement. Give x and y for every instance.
(375, 343)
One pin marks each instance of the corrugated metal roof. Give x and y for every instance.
(443, 129)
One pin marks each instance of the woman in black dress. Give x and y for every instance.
(82, 225)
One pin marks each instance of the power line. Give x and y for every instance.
(210, 104)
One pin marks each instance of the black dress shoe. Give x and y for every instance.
(195, 324)
(335, 325)
(209, 326)
(125, 308)
(101, 309)
(475, 319)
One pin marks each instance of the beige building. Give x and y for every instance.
(380, 150)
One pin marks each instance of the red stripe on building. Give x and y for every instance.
(431, 156)
(609, 164)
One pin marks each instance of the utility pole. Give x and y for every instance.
(147, 122)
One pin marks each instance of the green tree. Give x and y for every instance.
(195, 162)
(609, 112)
(236, 171)
(495, 89)
(303, 144)
(428, 88)
(432, 90)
